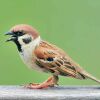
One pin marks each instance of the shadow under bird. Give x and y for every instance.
(42, 56)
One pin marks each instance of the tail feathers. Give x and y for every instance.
(87, 75)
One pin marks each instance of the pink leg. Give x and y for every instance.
(50, 82)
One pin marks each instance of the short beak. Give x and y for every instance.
(12, 36)
(9, 33)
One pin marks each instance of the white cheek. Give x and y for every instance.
(20, 39)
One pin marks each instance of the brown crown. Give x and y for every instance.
(27, 29)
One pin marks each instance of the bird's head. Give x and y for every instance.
(22, 35)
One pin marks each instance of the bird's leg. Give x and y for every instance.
(50, 82)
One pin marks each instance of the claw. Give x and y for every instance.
(48, 83)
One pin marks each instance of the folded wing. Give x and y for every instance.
(56, 61)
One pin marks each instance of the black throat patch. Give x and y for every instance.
(18, 45)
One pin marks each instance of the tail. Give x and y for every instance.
(87, 75)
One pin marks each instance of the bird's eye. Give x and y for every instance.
(27, 40)
(19, 33)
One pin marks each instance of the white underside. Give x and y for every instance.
(28, 54)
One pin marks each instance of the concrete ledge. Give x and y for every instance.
(54, 93)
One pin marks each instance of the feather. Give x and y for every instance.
(56, 61)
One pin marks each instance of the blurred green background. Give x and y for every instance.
(73, 25)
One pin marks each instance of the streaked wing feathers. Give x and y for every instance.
(56, 61)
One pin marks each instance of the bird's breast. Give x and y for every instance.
(28, 57)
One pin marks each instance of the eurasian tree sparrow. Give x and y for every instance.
(43, 56)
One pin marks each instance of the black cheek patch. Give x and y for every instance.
(27, 40)
(49, 59)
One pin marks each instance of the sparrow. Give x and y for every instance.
(43, 56)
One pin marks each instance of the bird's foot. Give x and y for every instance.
(48, 83)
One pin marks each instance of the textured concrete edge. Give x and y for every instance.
(64, 93)
(52, 98)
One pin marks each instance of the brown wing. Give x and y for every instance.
(56, 61)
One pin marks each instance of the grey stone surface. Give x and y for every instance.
(54, 93)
